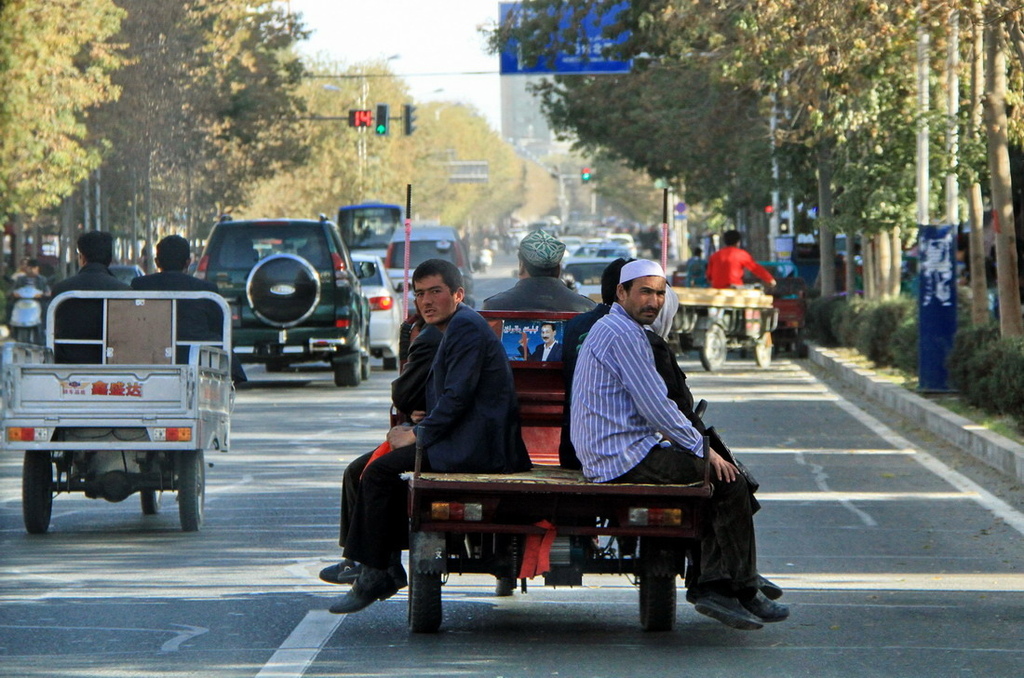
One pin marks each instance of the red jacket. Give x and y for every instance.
(725, 267)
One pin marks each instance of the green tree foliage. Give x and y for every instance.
(208, 107)
(55, 64)
(334, 173)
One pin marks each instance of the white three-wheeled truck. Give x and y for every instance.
(138, 418)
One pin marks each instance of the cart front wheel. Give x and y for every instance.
(37, 492)
(712, 354)
(191, 489)
(150, 501)
(763, 350)
(424, 602)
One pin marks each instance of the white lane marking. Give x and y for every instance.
(985, 499)
(817, 450)
(174, 643)
(299, 649)
(832, 495)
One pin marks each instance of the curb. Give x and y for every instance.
(995, 450)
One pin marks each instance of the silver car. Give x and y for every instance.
(385, 307)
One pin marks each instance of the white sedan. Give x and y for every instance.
(385, 308)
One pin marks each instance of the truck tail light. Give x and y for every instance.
(457, 511)
(172, 434)
(342, 323)
(26, 434)
(657, 517)
(337, 262)
(204, 263)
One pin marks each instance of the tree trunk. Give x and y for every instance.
(1010, 321)
(826, 239)
(870, 287)
(850, 283)
(976, 263)
(895, 261)
(884, 264)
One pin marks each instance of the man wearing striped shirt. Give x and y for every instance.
(625, 429)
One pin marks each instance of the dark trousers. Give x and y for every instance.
(350, 493)
(728, 555)
(379, 525)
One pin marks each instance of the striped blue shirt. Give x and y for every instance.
(620, 405)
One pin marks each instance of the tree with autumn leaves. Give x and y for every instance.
(841, 79)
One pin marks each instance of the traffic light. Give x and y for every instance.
(408, 119)
(383, 119)
(585, 174)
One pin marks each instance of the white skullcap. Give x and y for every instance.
(639, 269)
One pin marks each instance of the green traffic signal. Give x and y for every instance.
(383, 120)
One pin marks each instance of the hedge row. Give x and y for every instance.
(987, 370)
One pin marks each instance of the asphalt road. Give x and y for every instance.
(895, 564)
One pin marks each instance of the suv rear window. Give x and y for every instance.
(240, 248)
(422, 250)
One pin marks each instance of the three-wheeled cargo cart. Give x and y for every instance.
(139, 418)
(548, 521)
(713, 321)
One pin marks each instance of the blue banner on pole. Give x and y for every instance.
(936, 304)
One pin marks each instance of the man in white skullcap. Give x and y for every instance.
(539, 288)
(626, 430)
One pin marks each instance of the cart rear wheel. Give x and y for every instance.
(150, 501)
(658, 602)
(715, 349)
(37, 492)
(424, 602)
(191, 489)
(763, 350)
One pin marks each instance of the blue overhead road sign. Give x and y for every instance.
(587, 57)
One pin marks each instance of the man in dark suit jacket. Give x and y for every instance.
(83, 318)
(198, 320)
(547, 334)
(471, 426)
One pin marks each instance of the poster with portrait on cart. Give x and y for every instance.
(533, 340)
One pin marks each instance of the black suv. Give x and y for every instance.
(294, 294)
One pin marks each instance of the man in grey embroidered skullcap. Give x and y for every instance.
(540, 287)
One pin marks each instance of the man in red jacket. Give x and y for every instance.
(726, 266)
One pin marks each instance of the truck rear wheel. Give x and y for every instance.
(715, 348)
(424, 602)
(191, 489)
(37, 492)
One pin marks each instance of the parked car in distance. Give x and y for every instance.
(126, 272)
(625, 240)
(385, 307)
(586, 274)
(294, 294)
(428, 242)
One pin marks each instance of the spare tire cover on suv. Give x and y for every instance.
(283, 290)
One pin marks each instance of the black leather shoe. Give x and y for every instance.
(770, 589)
(399, 579)
(345, 572)
(729, 611)
(764, 609)
(372, 585)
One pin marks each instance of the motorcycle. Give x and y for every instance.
(484, 259)
(26, 321)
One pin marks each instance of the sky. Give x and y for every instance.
(435, 37)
